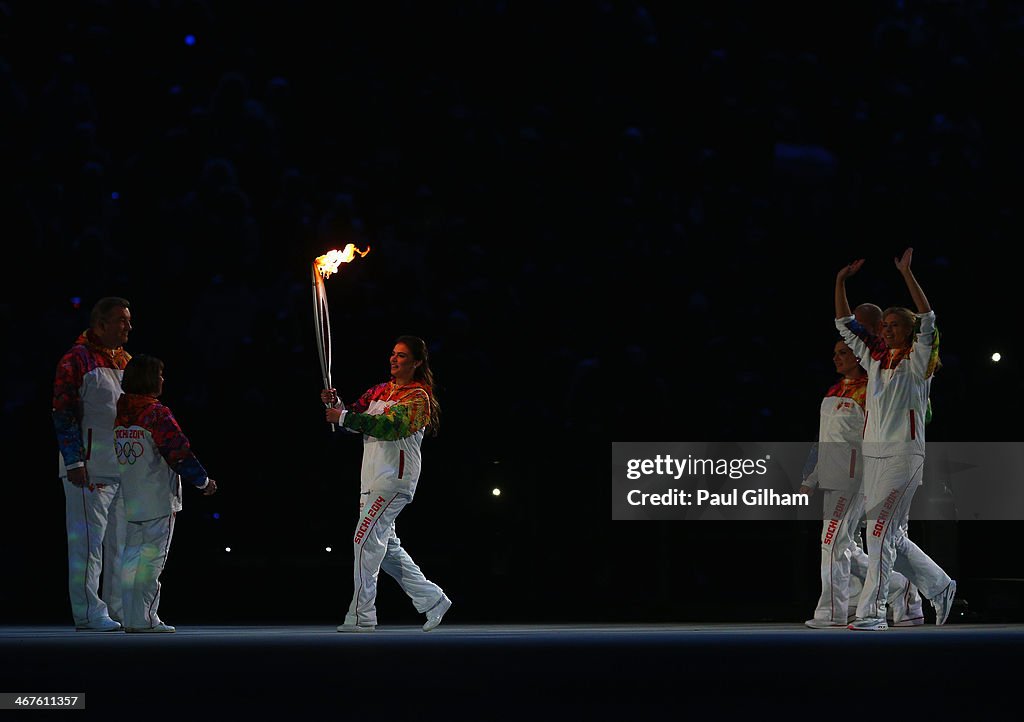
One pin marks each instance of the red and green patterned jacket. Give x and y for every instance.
(85, 393)
(392, 420)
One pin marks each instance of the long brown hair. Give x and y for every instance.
(423, 374)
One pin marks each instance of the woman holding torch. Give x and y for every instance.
(393, 418)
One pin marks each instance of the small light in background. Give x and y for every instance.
(997, 357)
(216, 515)
(496, 491)
(114, 195)
(227, 549)
(328, 548)
(76, 301)
(190, 40)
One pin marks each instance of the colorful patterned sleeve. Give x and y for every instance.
(363, 403)
(858, 338)
(66, 408)
(400, 420)
(174, 446)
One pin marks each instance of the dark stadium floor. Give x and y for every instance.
(508, 671)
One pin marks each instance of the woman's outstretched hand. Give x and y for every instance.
(903, 264)
(850, 269)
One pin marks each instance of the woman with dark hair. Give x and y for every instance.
(393, 418)
(900, 364)
(153, 454)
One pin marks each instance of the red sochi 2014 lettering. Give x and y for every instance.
(368, 519)
(883, 515)
(831, 531)
(834, 523)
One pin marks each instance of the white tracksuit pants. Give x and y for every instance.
(376, 547)
(889, 486)
(145, 555)
(94, 516)
(843, 560)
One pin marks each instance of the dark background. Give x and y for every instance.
(610, 220)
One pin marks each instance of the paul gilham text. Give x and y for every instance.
(703, 497)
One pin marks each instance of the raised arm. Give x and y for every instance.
(903, 264)
(863, 343)
(843, 305)
(924, 364)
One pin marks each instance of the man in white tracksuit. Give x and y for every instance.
(85, 392)
(900, 366)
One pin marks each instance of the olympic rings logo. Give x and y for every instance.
(128, 452)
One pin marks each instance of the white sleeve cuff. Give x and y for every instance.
(204, 484)
(927, 321)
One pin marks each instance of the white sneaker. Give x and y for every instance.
(944, 603)
(103, 624)
(823, 624)
(159, 628)
(436, 614)
(357, 628)
(869, 624)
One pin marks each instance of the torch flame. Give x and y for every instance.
(329, 262)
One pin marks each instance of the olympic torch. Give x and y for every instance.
(323, 267)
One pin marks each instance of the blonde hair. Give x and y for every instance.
(904, 313)
(911, 318)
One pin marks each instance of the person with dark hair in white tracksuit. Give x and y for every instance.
(155, 455)
(393, 418)
(900, 365)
